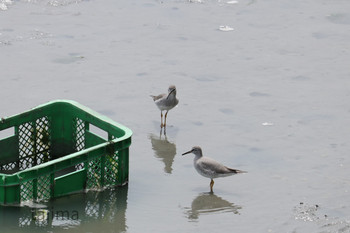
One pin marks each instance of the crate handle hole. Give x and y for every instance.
(98, 131)
(9, 132)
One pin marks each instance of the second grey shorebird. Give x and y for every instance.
(165, 102)
(210, 168)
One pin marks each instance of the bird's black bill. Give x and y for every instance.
(187, 152)
(170, 93)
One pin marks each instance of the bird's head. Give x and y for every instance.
(172, 89)
(195, 150)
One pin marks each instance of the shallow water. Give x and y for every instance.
(269, 97)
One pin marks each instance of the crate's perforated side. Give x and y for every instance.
(79, 138)
(27, 191)
(79, 134)
(34, 149)
(43, 189)
(26, 145)
(37, 189)
(43, 139)
(94, 174)
(8, 167)
(111, 169)
(34, 142)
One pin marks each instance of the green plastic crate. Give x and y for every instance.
(53, 152)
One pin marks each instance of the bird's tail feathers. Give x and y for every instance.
(236, 171)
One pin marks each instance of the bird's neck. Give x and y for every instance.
(196, 157)
(172, 96)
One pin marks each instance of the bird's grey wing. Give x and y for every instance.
(212, 165)
(155, 98)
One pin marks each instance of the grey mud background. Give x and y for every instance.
(264, 86)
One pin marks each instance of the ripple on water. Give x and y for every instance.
(71, 58)
(226, 111)
(258, 94)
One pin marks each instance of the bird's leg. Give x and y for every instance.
(165, 118)
(211, 185)
(161, 119)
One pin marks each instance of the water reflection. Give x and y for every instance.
(209, 203)
(83, 210)
(164, 150)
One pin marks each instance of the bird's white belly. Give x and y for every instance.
(205, 173)
(166, 103)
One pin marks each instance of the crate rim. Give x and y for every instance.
(76, 104)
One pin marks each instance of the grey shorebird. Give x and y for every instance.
(210, 168)
(165, 102)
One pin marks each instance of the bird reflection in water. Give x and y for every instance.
(209, 203)
(164, 150)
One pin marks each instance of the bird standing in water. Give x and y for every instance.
(165, 102)
(210, 168)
